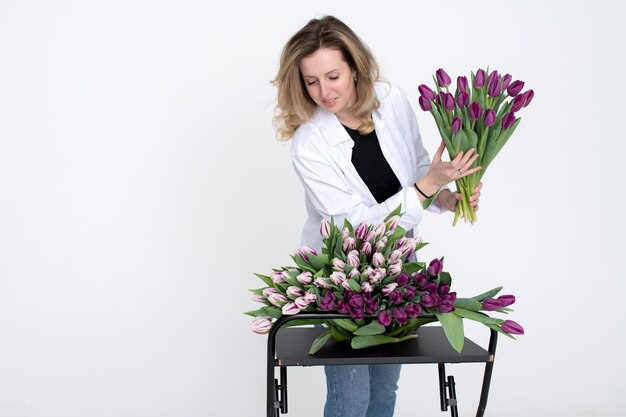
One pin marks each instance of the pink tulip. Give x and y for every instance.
(377, 275)
(277, 299)
(354, 274)
(366, 248)
(277, 277)
(294, 292)
(305, 278)
(388, 289)
(325, 229)
(378, 259)
(353, 258)
(395, 268)
(258, 298)
(310, 296)
(261, 326)
(321, 283)
(361, 231)
(301, 303)
(290, 309)
(392, 223)
(338, 264)
(395, 255)
(366, 287)
(337, 277)
(348, 244)
(268, 291)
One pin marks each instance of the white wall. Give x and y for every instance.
(141, 185)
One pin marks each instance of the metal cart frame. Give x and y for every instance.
(289, 346)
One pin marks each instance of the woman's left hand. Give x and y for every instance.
(448, 200)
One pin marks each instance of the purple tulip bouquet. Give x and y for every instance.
(480, 115)
(367, 273)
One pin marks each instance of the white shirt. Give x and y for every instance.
(321, 151)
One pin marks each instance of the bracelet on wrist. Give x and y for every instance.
(421, 192)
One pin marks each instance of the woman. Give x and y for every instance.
(358, 153)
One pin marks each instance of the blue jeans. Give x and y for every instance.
(361, 390)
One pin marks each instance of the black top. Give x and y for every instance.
(373, 168)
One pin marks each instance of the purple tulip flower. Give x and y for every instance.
(413, 310)
(443, 289)
(511, 327)
(506, 300)
(343, 307)
(371, 306)
(508, 120)
(424, 103)
(518, 103)
(456, 124)
(402, 279)
(491, 304)
(493, 77)
(328, 301)
(446, 306)
(396, 297)
(356, 300)
(426, 92)
(435, 267)
(443, 79)
(515, 87)
(448, 101)
(494, 85)
(461, 83)
(506, 81)
(462, 99)
(366, 248)
(384, 318)
(528, 97)
(475, 111)
(479, 79)
(409, 292)
(490, 118)
(399, 315)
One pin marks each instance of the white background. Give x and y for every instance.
(141, 185)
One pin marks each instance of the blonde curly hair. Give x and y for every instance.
(295, 106)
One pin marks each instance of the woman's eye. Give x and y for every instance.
(334, 77)
(310, 82)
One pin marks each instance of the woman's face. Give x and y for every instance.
(329, 81)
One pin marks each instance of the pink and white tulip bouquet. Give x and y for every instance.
(367, 273)
(480, 115)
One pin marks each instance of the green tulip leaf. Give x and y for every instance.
(371, 329)
(468, 304)
(346, 324)
(319, 342)
(267, 280)
(476, 316)
(360, 342)
(453, 328)
(488, 294)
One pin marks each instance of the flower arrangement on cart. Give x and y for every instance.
(368, 273)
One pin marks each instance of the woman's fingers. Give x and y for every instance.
(439, 153)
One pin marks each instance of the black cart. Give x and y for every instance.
(289, 346)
